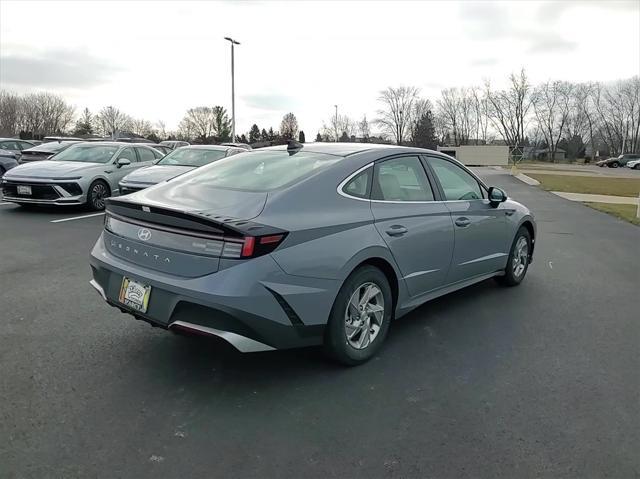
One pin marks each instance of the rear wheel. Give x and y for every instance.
(614, 165)
(98, 192)
(518, 262)
(360, 317)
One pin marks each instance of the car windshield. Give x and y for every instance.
(87, 153)
(192, 157)
(262, 170)
(51, 147)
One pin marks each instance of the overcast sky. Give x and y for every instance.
(154, 60)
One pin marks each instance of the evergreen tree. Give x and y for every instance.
(264, 135)
(424, 134)
(344, 138)
(319, 137)
(84, 125)
(301, 137)
(254, 134)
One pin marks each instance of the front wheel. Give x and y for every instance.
(614, 165)
(360, 317)
(518, 262)
(637, 167)
(98, 192)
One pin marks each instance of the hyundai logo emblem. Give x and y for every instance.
(144, 234)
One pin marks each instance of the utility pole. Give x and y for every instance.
(336, 124)
(233, 90)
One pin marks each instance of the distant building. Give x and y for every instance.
(478, 155)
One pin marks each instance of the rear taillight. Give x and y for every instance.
(259, 245)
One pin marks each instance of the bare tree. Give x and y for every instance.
(364, 130)
(141, 127)
(457, 109)
(162, 129)
(199, 122)
(481, 115)
(112, 121)
(552, 104)
(289, 126)
(44, 113)
(9, 113)
(397, 112)
(339, 125)
(508, 110)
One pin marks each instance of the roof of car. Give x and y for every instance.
(206, 147)
(343, 149)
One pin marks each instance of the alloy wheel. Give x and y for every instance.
(520, 256)
(98, 194)
(364, 315)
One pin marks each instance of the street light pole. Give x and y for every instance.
(233, 90)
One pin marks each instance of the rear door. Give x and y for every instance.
(480, 228)
(414, 224)
(146, 156)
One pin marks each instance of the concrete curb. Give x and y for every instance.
(527, 179)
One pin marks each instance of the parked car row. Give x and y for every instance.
(630, 160)
(85, 173)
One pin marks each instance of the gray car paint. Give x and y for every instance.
(330, 234)
(53, 172)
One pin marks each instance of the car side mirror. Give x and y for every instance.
(496, 196)
(123, 162)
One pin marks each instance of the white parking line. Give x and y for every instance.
(77, 218)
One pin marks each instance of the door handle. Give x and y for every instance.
(463, 222)
(396, 230)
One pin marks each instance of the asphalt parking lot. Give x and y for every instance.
(542, 380)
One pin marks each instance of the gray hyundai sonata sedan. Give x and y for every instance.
(301, 245)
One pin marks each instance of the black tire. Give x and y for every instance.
(614, 165)
(98, 191)
(513, 275)
(336, 343)
(637, 167)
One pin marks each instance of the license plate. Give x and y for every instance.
(24, 190)
(135, 295)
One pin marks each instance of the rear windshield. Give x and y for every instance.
(52, 147)
(87, 153)
(261, 170)
(192, 157)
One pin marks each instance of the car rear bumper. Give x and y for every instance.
(252, 305)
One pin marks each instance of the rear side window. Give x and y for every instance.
(358, 186)
(261, 170)
(146, 154)
(401, 179)
(456, 183)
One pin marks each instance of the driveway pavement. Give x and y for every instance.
(535, 381)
